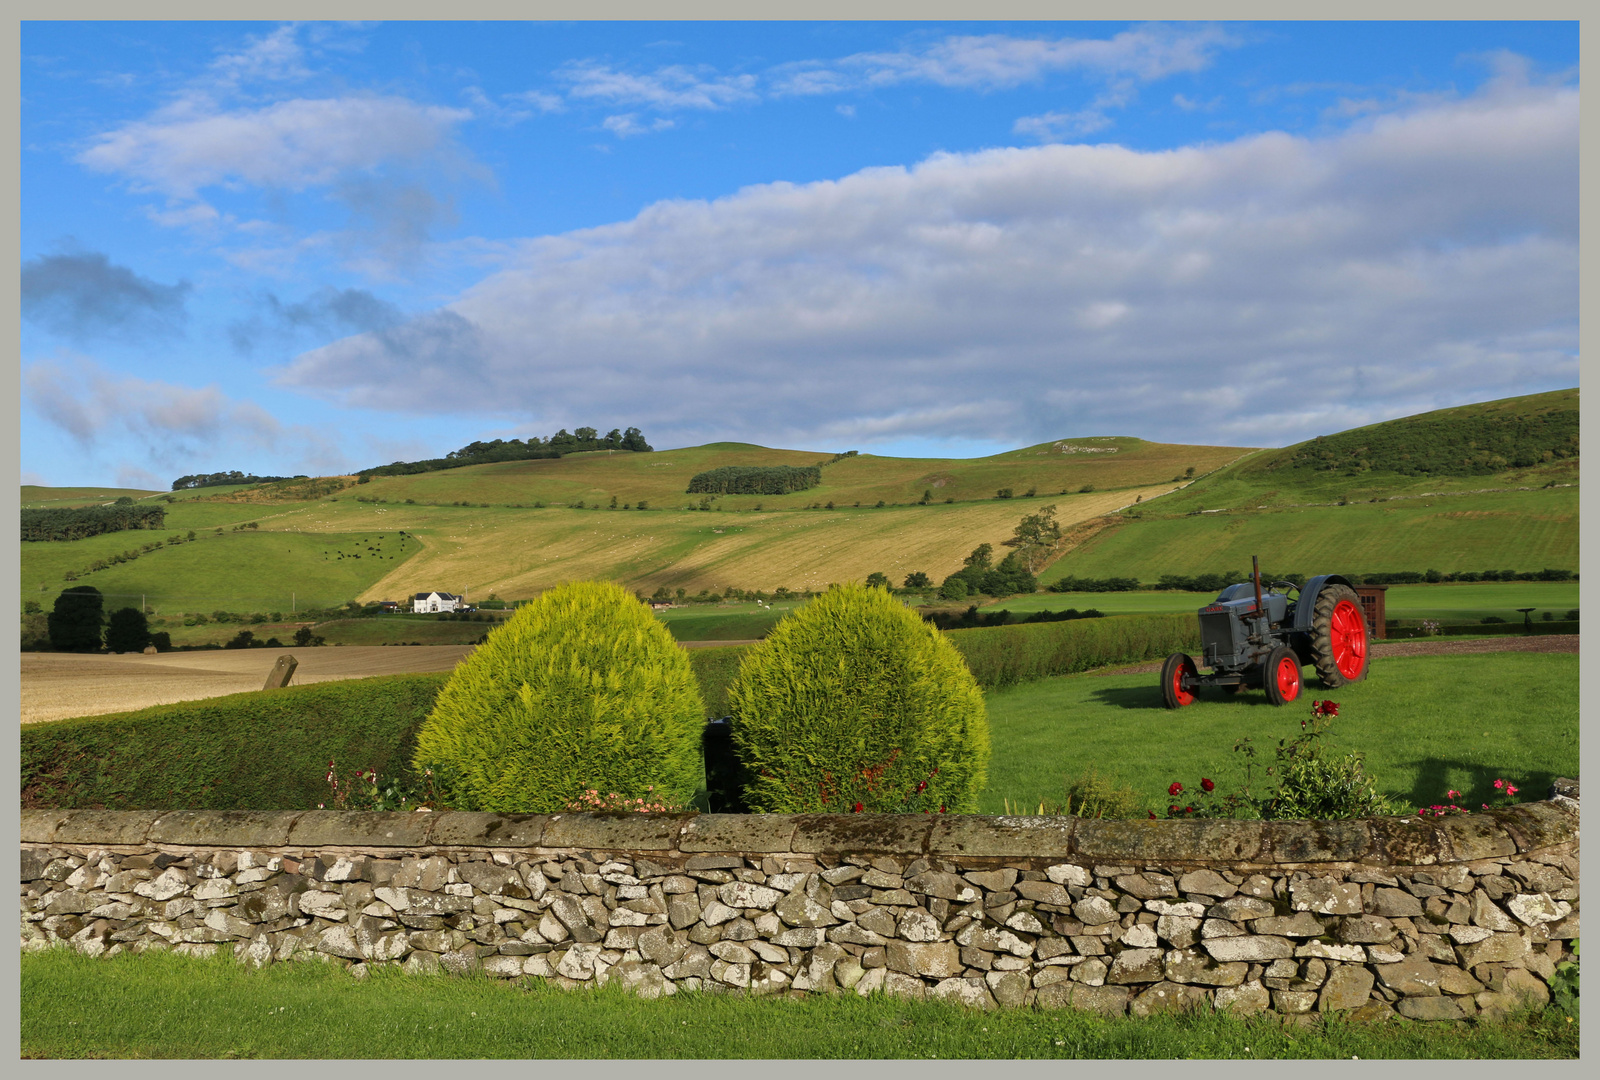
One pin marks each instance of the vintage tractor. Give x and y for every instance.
(1262, 638)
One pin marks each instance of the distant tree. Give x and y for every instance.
(1036, 535)
(982, 557)
(663, 595)
(125, 500)
(586, 435)
(633, 439)
(162, 640)
(128, 630)
(954, 588)
(31, 607)
(917, 579)
(877, 580)
(242, 640)
(613, 439)
(302, 636)
(75, 621)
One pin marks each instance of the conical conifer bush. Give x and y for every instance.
(582, 689)
(855, 700)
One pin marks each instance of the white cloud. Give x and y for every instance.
(276, 56)
(627, 124)
(292, 145)
(994, 61)
(1267, 288)
(168, 422)
(674, 87)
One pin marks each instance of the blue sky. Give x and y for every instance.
(289, 248)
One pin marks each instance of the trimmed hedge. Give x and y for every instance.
(263, 750)
(1002, 656)
(581, 690)
(853, 702)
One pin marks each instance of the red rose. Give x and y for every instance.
(1207, 785)
(1152, 815)
(1175, 788)
(1173, 809)
(857, 809)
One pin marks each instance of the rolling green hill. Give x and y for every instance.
(1354, 502)
(1358, 502)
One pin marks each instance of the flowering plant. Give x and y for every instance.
(1429, 627)
(591, 800)
(1504, 790)
(365, 791)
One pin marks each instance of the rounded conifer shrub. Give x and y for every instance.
(581, 691)
(854, 702)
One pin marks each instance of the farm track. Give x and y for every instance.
(1544, 643)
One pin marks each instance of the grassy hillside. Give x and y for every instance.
(262, 569)
(1130, 508)
(48, 498)
(662, 478)
(1498, 530)
(1360, 502)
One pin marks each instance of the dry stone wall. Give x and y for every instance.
(1433, 920)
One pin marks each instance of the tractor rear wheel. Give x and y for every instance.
(1281, 675)
(1178, 670)
(1339, 645)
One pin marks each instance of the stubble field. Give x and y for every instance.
(60, 685)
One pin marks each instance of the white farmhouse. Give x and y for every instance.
(424, 602)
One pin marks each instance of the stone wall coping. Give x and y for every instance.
(1390, 841)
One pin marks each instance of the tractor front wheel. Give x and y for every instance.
(1178, 677)
(1282, 675)
(1339, 644)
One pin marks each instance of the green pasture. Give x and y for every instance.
(35, 497)
(1493, 530)
(253, 570)
(158, 1005)
(399, 630)
(731, 622)
(1445, 602)
(1426, 724)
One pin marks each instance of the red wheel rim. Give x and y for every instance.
(1348, 632)
(1288, 675)
(1179, 694)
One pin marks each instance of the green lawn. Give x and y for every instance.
(163, 1006)
(1425, 723)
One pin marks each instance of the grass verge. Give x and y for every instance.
(162, 1006)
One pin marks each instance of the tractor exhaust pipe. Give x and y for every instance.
(1255, 576)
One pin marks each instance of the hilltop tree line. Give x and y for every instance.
(1448, 445)
(216, 479)
(755, 480)
(79, 522)
(483, 453)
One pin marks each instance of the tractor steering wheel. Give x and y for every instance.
(1285, 586)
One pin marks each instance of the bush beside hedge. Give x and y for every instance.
(1002, 656)
(265, 750)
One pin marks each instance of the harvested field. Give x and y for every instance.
(60, 685)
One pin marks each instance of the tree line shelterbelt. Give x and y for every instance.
(483, 453)
(1448, 445)
(79, 522)
(217, 479)
(756, 480)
